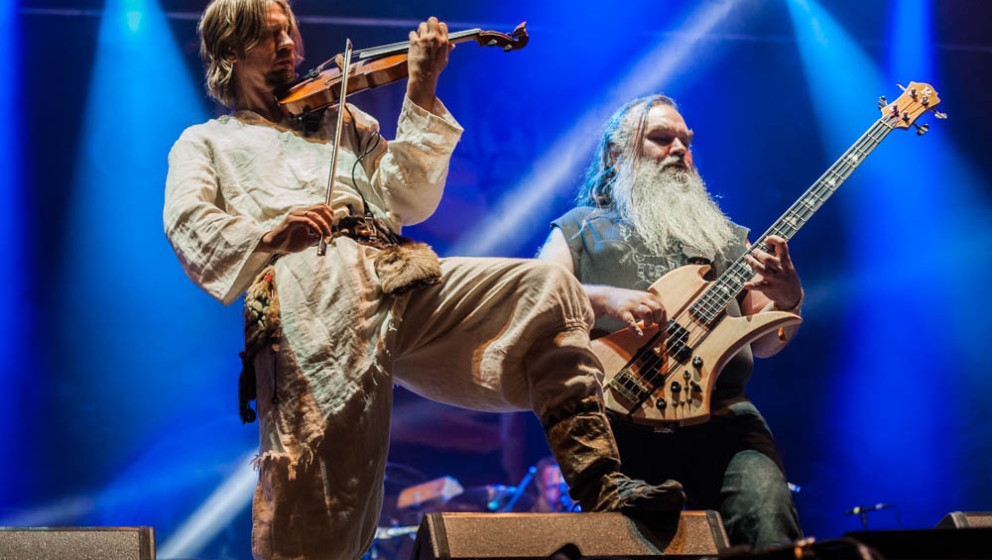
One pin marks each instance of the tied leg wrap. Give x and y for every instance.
(587, 405)
(581, 440)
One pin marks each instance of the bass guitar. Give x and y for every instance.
(667, 376)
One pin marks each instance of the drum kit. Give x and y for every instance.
(408, 497)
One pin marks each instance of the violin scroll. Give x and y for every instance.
(516, 40)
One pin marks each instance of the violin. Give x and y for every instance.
(377, 66)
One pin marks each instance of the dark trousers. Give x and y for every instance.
(729, 464)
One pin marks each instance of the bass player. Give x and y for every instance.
(643, 211)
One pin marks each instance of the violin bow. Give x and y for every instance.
(345, 63)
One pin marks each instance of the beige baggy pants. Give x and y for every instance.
(495, 335)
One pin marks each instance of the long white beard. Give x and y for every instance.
(668, 205)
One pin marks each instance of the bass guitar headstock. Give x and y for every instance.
(915, 100)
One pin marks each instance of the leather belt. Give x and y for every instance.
(367, 230)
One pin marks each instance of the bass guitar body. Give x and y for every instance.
(666, 377)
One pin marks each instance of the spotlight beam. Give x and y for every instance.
(526, 203)
(17, 373)
(901, 216)
(229, 499)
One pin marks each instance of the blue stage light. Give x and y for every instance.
(556, 169)
(16, 368)
(216, 512)
(911, 44)
(959, 218)
(140, 343)
(894, 392)
(133, 10)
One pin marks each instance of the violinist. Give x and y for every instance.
(328, 335)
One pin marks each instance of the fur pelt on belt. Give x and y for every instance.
(408, 266)
(263, 326)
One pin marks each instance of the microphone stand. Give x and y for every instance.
(524, 482)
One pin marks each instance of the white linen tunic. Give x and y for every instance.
(496, 334)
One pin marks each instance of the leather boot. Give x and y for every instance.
(581, 440)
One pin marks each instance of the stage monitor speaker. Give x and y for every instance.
(531, 536)
(966, 520)
(77, 543)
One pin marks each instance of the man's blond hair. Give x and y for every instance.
(230, 29)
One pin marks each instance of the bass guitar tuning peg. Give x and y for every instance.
(938, 114)
(921, 130)
(882, 102)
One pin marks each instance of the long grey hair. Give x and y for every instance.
(619, 151)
